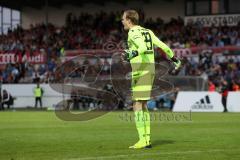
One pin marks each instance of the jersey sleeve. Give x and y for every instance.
(162, 45)
(138, 41)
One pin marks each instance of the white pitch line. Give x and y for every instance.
(146, 154)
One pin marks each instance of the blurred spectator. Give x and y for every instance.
(38, 93)
(167, 100)
(224, 91)
(173, 97)
(235, 86)
(211, 86)
(7, 99)
(75, 99)
(36, 77)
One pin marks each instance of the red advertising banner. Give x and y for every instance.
(12, 57)
(180, 52)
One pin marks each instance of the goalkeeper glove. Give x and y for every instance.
(130, 54)
(176, 62)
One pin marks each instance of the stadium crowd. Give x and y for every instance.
(88, 31)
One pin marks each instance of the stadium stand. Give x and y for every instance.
(87, 31)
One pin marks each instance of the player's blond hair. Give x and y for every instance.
(133, 16)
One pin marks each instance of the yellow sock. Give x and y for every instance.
(139, 120)
(147, 125)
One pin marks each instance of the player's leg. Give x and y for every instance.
(147, 125)
(36, 101)
(40, 101)
(146, 114)
(139, 119)
(140, 124)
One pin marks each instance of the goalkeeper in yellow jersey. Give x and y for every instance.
(140, 53)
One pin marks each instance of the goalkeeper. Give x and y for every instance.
(140, 53)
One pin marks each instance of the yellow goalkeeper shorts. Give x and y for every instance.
(142, 86)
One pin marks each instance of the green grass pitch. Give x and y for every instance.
(40, 135)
